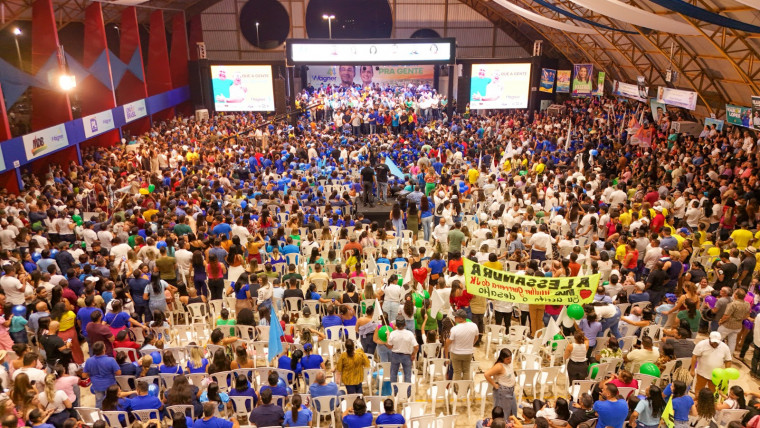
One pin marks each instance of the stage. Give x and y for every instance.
(379, 213)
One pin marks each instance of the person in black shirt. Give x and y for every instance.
(656, 282)
(56, 349)
(382, 171)
(580, 412)
(293, 291)
(368, 179)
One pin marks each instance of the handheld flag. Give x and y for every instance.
(275, 337)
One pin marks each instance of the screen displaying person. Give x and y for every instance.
(366, 73)
(347, 74)
(236, 91)
(479, 84)
(221, 86)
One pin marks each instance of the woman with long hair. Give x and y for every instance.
(199, 273)
(242, 291)
(220, 363)
(357, 415)
(351, 365)
(155, 294)
(21, 386)
(501, 376)
(682, 403)
(242, 388)
(298, 415)
(704, 409)
(182, 392)
(114, 401)
(735, 400)
(241, 361)
(55, 400)
(648, 411)
(63, 312)
(215, 270)
(397, 218)
(169, 364)
(197, 363)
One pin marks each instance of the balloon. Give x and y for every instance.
(417, 300)
(593, 369)
(710, 300)
(749, 298)
(281, 383)
(384, 332)
(732, 373)
(156, 357)
(594, 152)
(575, 311)
(77, 219)
(420, 274)
(557, 336)
(243, 204)
(718, 375)
(747, 324)
(143, 191)
(19, 310)
(151, 188)
(400, 282)
(153, 390)
(650, 369)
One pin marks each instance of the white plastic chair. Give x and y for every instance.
(325, 406)
(579, 387)
(547, 377)
(114, 418)
(90, 415)
(494, 334)
(414, 409)
(644, 381)
(242, 406)
(526, 378)
(436, 366)
(146, 415)
(427, 421)
(402, 392)
(457, 391)
(437, 391)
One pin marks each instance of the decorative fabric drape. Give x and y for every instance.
(527, 14)
(635, 16)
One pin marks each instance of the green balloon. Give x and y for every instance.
(650, 369)
(593, 370)
(151, 188)
(427, 295)
(417, 300)
(718, 376)
(557, 336)
(732, 373)
(575, 311)
(400, 281)
(384, 332)
(77, 219)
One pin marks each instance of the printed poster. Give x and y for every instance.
(547, 80)
(627, 90)
(737, 115)
(677, 97)
(756, 113)
(717, 122)
(582, 83)
(98, 123)
(563, 81)
(44, 141)
(368, 75)
(600, 84)
(510, 287)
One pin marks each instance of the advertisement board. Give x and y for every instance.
(500, 86)
(135, 110)
(755, 123)
(368, 75)
(44, 141)
(370, 51)
(563, 81)
(242, 87)
(677, 97)
(628, 90)
(582, 81)
(737, 115)
(98, 123)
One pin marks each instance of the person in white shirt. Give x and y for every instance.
(541, 244)
(709, 355)
(403, 346)
(13, 286)
(119, 250)
(461, 345)
(441, 234)
(89, 235)
(392, 293)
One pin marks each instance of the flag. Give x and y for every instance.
(275, 336)
(550, 331)
(376, 316)
(569, 127)
(439, 301)
(394, 169)
(667, 415)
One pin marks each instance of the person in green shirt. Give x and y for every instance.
(183, 227)
(224, 319)
(424, 318)
(456, 236)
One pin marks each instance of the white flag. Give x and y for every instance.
(376, 315)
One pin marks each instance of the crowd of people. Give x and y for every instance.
(150, 275)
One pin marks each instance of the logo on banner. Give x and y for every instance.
(131, 113)
(97, 123)
(45, 141)
(38, 145)
(134, 110)
(93, 125)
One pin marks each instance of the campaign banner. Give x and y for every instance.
(369, 75)
(737, 115)
(582, 83)
(242, 87)
(500, 86)
(135, 110)
(547, 80)
(98, 123)
(628, 90)
(677, 97)
(600, 84)
(658, 108)
(717, 122)
(44, 141)
(756, 113)
(563, 81)
(510, 287)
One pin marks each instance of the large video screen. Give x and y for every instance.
(368, 75)
(500, 86)
(242, 87)
(375, 52)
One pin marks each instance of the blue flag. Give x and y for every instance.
(394, 169)
(275, 335)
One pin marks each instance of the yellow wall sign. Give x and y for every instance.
(510, 287)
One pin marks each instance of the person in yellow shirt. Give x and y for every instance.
(472, 175)
(741, 237)
(150, 211)
(493, 262)
(625, 218)
(756, 244)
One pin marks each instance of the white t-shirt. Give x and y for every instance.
(462, 338)
(58, 401)
(14, 289)
(35, 375)
(402, 341)
(120, 251)
(393, 293)
(709, 358)
(542, 240)
(605, 311)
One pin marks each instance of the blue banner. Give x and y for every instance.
(394, 169)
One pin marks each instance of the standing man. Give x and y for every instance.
(540, 244)
(460, 345)
(611, 411)
(403, 346)
(368, 180)
(102, 369)
(455, 239)
(731, 321)
(708, 355)
(382, 172)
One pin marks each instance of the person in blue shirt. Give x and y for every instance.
(383, 257)
(290, 247)
(611, 411)
(291, 363)
(357, 415)
(83, 315)
(682, 403)
(210, 421)
(299, 415)
(311, 361)
(212, 393)
(331, 319)
(102, 370)
(272, 382)
(390, 417)
(144, 401)
(222, 229)
(243, 389)
(322, 388)
(170, 365)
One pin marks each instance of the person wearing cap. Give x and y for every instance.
(709, 355)
(460, 345)
(403, 346)
(747, 266)
(730, 323)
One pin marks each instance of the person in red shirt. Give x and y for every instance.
(631, 260)
(123, 341)
(455, 262)
(574, 266)
(658, 221)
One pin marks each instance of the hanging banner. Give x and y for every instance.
(368, 75)
(677, 97)
(45, 141)
(135, 110)
(600, 84)
(98, 123)
(717, 122)
(510, 287)
(547, 80)
(627, 90)
(737, 115)
(582, 84)
(563, 81)
(755, 113)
